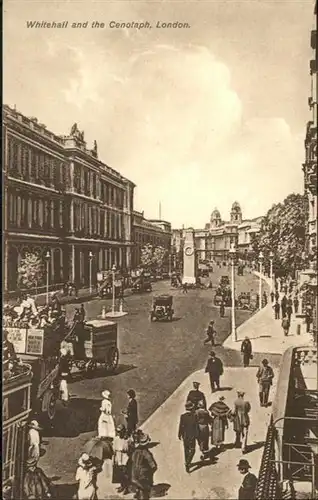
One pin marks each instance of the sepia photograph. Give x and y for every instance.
(159, 200)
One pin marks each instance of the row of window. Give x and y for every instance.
(144, 239)
(95, 221)
(32, 165)
(27, 212)
(88, 183)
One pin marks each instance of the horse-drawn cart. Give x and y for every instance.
(93, 344)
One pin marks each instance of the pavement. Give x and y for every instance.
(266, 333)
(209, 479)
(161, 360)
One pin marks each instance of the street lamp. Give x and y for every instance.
(232, 253)
(260, 261)
(90, 256)
(271, 257)
(47, 259)
(113, 280)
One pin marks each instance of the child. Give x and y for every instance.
(86, 477)
(121, 450)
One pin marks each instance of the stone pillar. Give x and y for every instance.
(189, 268)
(73, 263)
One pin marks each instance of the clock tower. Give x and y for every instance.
(189, 258)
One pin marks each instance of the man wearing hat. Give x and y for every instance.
(210, 334)
(246, 350)
(248, 487)
(188, 433)
(195, 395)
(143, 467)
(131, 413)
(214, 368)
(264, 377)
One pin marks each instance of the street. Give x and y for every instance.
(154, 359)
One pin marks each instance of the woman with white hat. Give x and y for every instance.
(86, 477)
(106, 425)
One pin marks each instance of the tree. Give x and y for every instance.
(153, 257)
(31, 271)
(283, 233)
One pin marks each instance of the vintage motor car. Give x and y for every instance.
(162, 308)
(141, 284)
(224, 281)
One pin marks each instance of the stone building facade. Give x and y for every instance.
(148, 231)
(60, 198)
(215, 240)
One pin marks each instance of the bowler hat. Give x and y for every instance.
(212, 353)
(243, 464)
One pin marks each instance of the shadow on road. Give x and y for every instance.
(65, 491)
(160, 490)
(212, 460)
(254, 446)
(100, 372)
(80, 416)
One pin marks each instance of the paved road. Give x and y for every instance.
(154, 359)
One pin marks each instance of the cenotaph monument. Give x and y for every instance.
(189, 258)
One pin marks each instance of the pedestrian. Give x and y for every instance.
(283, 305)
(36, 485)
(188, 433)
(185, 288)
(246, 350)
(219, 413)
(131, 413)
(195, 396)
(308, 318)
(277, 295)
(222, 309)
(214, 368)
(86, 476)
(143, 468)
(210, 334)
(241, 421)
(296, 304)
(289, 311)
(204, 420)
(82, 314)
(64, 373)
(276, 308)
(272, 296)
(106, 426)
(248, 487)
(121, 451)
(264, 377)
(286, 325)
(264, 298)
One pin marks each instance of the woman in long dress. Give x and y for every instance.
(219, 413)
(106, 429)
(36, 485)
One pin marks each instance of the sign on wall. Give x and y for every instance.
(18, 338)
(34, 344)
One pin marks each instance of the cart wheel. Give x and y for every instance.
(90, 368)
(112, 359)
(49, 409)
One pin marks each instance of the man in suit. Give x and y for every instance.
(131, 413)
(248, 487)
(246, 350)
(210, 334)
(283, 306)
(276, 308)
(214, 368)
(195, 395)
(264, 377)
(188, 433)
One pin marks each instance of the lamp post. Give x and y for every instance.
(271, 257)
(232, 253)
(47, 259)
(90, 256)
(170, 264)
(260, 261)
(113, 280)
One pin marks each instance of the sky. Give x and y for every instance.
(197, 117)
